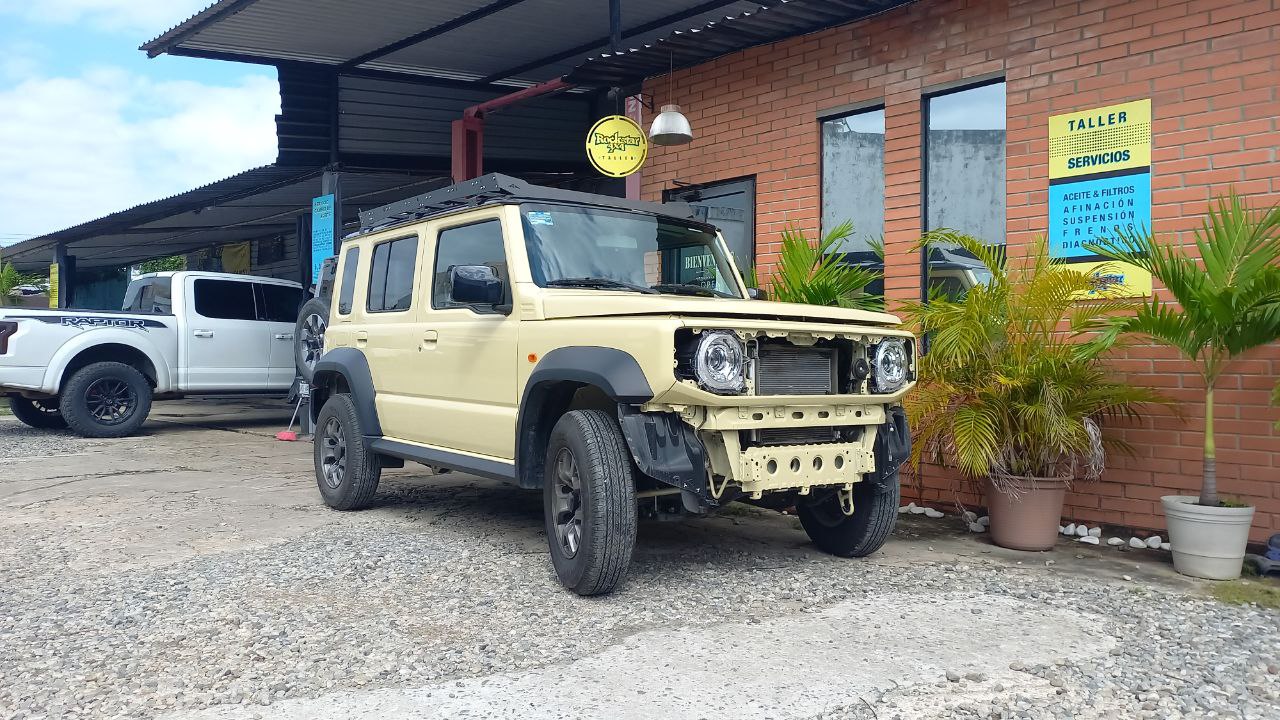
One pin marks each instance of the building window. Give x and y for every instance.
(391, 275)
(731, 207)
(964, 179)
(853, 180)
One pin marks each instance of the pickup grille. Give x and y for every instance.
(791, 370)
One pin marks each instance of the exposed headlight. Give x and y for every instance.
(719, 362)
(889, 362)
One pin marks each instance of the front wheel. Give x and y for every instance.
(589, 498)
(106, 400)
(875, 510)
(40, 414)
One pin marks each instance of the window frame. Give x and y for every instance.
(925, 99)
(435, 261)
(373, 251)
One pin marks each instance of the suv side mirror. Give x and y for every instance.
(475, 285)
(757, 294)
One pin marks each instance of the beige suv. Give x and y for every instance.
(608, 353)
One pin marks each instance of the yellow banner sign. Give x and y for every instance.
(53, 285)
(1100, 140)
(617, 146)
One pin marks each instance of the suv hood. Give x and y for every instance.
(596, 303)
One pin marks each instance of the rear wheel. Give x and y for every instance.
(346, 472)
(308, 337)
(42, 414)
(875, 510)
(106, 400)
(589, 498)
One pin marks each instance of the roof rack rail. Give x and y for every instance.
(496, 187)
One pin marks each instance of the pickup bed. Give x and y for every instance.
(179, 333)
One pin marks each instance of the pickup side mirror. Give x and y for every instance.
(757, 294)
(474, 285)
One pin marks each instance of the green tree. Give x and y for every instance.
(1223, 308)
(176, 262)
(9, 279)
(1007, 389)
(815, 274)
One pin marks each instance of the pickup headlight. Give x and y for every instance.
(890, 361)
(719, 363)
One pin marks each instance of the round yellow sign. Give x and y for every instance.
(617, 146)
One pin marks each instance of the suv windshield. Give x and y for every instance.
(571, 246)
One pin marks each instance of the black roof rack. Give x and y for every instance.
(496, 188)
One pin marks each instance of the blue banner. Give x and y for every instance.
(1084, 210)
(321, 233)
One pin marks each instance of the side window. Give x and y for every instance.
(153, 295)
(350, 268)
(225, 300)
(478, 244)
(391, 275)
(279, 303)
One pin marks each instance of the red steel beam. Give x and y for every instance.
(468, 131)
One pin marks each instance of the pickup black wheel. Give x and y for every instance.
(589, 497)
(308, 336)
(346, 471)
(106, 400)
(42, 414)
(875, 510)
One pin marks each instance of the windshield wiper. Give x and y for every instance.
(601, 283)
(689, 289)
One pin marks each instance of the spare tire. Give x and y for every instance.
(308, 337)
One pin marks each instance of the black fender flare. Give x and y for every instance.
(352, 366)
(615, 372)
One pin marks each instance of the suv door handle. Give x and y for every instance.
(362, 338)
(203, 333)
(284, 336)
(429, 339)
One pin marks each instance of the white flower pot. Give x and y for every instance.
(1208, 542)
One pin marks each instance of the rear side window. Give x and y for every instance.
(350, 268)
(279, 303)
(391, 275)
(225, 300)
(478, 244)
(153, 295)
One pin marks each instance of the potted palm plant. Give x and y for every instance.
(1221, 309)
(1008, 394)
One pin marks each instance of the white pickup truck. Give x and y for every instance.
(179, 333)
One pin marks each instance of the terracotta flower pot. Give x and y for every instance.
(1026, 519)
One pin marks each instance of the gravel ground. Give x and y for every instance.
(443, 594)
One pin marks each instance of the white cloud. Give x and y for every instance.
(78, 148)
(145, 16)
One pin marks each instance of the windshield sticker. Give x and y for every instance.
(539, 217)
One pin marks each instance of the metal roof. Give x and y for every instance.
(512, 42)
(258, 203)
(779, 20)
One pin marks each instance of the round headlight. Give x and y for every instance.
(889, 362)
(719, 363)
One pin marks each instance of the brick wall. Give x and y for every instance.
(1211, 69)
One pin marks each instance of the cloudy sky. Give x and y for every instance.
(89, 125)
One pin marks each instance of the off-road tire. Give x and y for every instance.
(360, 469)
(606, 505)
(39, 414)
(875, 510)
(313, 316)
(86, 404)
